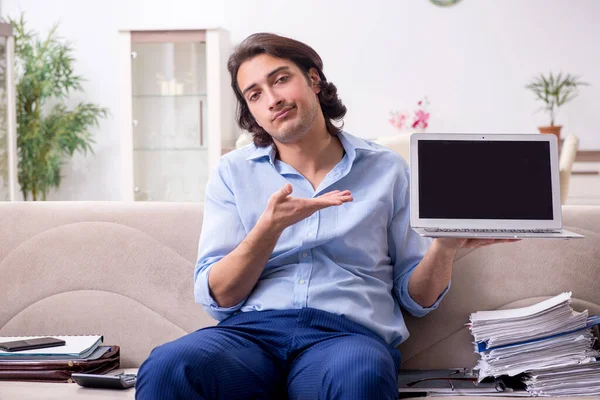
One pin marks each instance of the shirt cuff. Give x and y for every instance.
(202, 296)
(410, 305)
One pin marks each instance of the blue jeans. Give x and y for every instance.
(296, 354)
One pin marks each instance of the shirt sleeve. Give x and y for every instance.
(222, 231)
(407, 248)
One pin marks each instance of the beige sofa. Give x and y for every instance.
(125, 270)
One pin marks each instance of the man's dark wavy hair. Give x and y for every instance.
(301, 55)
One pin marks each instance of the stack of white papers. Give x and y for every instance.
(575, 348)
(547, 336)
(574, 380)
(502, 327)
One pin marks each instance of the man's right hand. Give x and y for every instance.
(284, 210)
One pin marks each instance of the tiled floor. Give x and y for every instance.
(584, 189)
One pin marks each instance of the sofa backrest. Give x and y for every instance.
(125, 270)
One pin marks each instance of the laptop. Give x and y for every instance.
(488, 186)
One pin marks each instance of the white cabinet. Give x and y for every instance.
(177, 112)
(8, 136)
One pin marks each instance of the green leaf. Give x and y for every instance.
(48, 132)
(555, 90)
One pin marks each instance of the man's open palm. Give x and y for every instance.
(283, 210)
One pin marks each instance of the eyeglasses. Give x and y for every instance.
(498, 384)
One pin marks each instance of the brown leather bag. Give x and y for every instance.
(58, 370)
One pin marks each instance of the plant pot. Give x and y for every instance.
(554, 129)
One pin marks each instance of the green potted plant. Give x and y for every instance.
(554, 91)
(48, 131)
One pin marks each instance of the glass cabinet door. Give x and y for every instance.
(7, 134)
(169, 106)
(4, 146)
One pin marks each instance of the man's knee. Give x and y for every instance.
(211, 364)
(170, 360)
(176, 370)
(361, 371)
(168, 354)
(359, 362)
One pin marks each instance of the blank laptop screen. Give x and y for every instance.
(485, 180)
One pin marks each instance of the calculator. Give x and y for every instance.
(120, 381)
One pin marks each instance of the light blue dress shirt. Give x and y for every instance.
(353, 260)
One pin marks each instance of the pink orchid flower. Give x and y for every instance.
(421, 118)
(398, 120)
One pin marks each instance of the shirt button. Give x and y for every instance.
(302, 281)
(304, 254)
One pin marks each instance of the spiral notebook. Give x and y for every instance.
(76, 346)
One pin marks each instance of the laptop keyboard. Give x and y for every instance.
(492, 230)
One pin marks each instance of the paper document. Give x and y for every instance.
(521, 312)
(77, 346)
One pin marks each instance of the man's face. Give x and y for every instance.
(279, 96)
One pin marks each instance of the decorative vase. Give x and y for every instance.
(554, 129)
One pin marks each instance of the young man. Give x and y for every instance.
(306, 254)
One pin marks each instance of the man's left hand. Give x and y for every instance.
(452, 243)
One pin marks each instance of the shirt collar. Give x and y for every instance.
(352, 143)
(349, 142)
(260, 152)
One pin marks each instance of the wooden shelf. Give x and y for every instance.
(588, 156)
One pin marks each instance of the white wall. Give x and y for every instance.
(472, 60)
